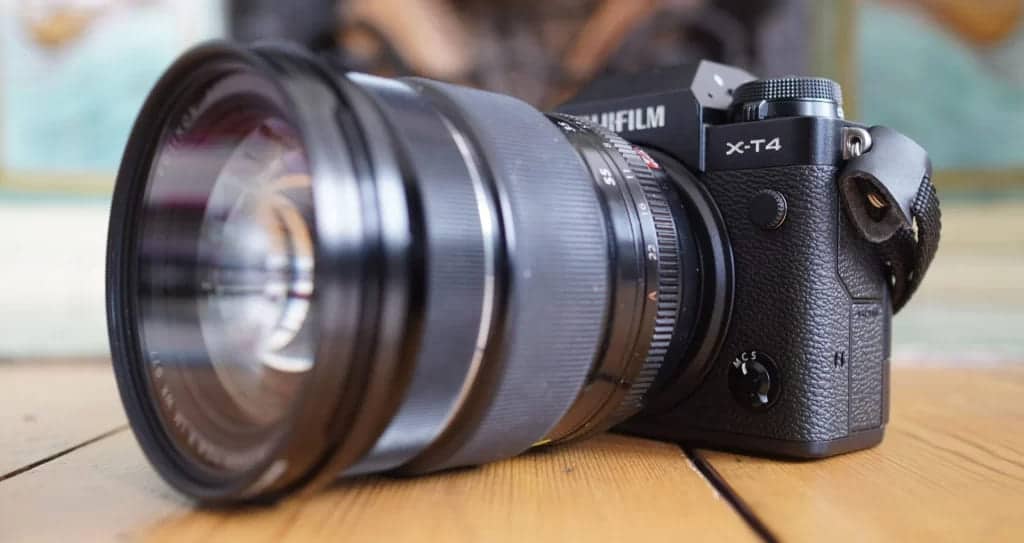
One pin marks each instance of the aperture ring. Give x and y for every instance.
(644, 306)
(667, 295)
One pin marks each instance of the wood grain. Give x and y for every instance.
(104, 491)
(612, 488)
(48, 407)
(951, 468)
(608, 488)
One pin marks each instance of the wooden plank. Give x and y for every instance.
(951, 468)
(101, 492)
(611, 488)
(48, 407)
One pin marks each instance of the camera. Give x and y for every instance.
(314, 273)
(795, 359)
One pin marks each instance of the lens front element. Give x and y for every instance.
(225, 273)
(256, 272)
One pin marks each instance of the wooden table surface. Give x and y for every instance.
(951, 469)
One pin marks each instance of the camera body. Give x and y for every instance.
(801, 367)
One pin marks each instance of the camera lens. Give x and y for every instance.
(314, 274)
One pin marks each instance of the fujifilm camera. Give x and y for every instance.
(314, 273)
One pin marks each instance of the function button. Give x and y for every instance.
(767, 209)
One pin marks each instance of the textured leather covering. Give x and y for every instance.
(806, 294)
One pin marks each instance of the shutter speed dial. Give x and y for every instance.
(787, 97)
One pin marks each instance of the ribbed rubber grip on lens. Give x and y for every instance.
(558, 265)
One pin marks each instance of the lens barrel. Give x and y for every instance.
(314, 274)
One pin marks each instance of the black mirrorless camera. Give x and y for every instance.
(314, 273)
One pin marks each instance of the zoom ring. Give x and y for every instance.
(666, 251)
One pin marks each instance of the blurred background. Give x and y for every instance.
(949, 73)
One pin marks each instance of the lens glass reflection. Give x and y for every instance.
(256, 272)
(226, 297)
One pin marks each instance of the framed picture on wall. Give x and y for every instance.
(949, 74)
(73, 74)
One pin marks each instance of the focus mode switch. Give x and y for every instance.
(754, 380)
